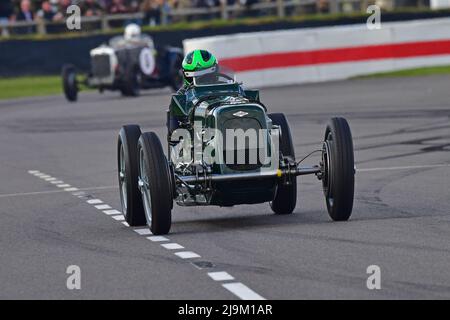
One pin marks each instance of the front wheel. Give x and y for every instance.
(127, 163)
(338, 168)
(70, 85)
(155, 184)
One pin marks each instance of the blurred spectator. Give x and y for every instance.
(152, 11)
(46, 12)
(59, 7)
(118, 6)
(322, 6)
(63, 5)
(25, 13)
(91, 8)
(205, 3)
(6, 10)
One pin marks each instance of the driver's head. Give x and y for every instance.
(132, 32)
(197, 62)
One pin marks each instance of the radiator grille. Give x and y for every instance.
(101, 66)
(247, 157)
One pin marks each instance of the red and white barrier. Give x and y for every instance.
(330, 53)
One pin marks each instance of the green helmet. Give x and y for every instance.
(195, 61)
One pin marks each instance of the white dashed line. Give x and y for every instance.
(187, 254)
(102, 207)
(111, 212)
(242, 291)
(220, 276)
(172, 246)
(157, 238)
(237, 288)
(142, 232)
(94, 201)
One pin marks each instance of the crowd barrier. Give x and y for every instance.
(297, 56)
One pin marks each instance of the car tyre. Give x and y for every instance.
(130, 196)
(286, 195)
(338, 167)
(155, 184)
(70, 85)
(132, 85)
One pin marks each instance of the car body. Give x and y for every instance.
(225, 149)
(127, 66)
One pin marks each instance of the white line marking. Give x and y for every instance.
(157, 238)
(172, 246)
(187, 255)
(242, 291)
(94, 201)
(142, 232)
(237, 288)
(111, 212)
(33, 193)
(102, 207)
(30, 193)
(39, 174)
(220, 276)
(404, 167)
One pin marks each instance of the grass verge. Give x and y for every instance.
(425, 71)
(21, 87)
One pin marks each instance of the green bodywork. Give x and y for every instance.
(182, 104)
(215, 106)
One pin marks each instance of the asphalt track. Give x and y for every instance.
(400, 222)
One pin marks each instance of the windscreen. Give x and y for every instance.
(218, 75)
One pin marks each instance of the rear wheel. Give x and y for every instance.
(286, 195)
(132, 85)
(70, 85)
(338, 168)
(130, 197)
(155, 183)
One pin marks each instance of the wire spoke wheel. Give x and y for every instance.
(327, 174)
(154, 183)
(144, 187)
(127, 172)
(122, 179)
